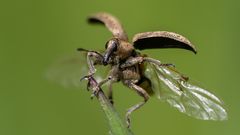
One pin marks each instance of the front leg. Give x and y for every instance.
(93, 58)
(113, 76)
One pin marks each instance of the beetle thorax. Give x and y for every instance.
(124, 50)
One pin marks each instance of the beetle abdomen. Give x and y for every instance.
(145, 83)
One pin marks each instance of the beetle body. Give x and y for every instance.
(144, 75)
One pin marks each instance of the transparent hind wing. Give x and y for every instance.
(182, 94)
(67, 71)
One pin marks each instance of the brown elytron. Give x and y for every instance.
(149, 76)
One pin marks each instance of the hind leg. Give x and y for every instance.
(142, 93)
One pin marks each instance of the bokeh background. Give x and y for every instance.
(33, 34)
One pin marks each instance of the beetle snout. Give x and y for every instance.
(105, 61)
(111, 47)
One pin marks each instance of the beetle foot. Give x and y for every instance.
(91, 85)
(88, 78)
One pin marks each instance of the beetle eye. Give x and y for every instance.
(106, 45)
(112, 42)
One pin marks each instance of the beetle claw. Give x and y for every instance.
(95, 88)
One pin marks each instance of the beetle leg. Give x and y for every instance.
(136, 60)
(93, 58)
(100, 84)
(132, 61)
(113, 76)
(110, 93)
(104, 81)
(111, 80)
(157, 62)
(142, 93)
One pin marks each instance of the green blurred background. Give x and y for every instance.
(35, 33)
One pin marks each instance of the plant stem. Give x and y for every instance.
(116, 124)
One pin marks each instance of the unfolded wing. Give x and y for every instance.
(161, 39)
(187, 97)
(68, 70)
(111, 22)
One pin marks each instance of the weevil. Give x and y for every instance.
(147, 76)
